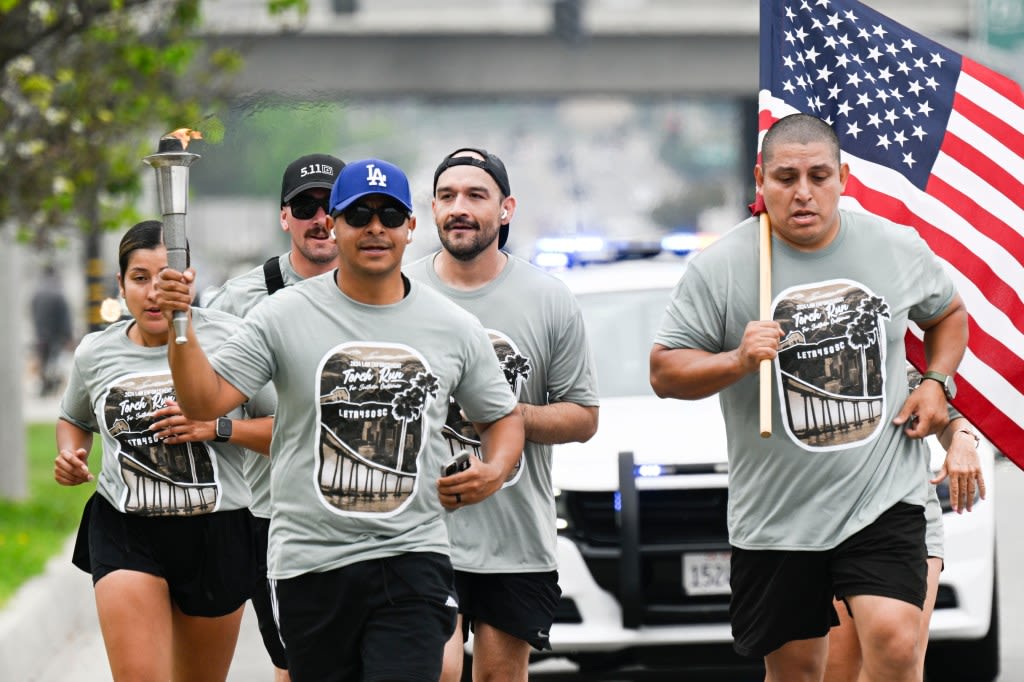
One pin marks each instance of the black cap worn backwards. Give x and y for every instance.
(490, 164)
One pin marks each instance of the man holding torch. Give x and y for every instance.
(305, 190)
(364, 363)
(832, 503)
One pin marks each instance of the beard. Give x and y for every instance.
(472, 245)
(314, 250)
(319, 258)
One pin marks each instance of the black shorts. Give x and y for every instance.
(381, 619)
(262, 603)
(778, 597)
(207, 560)
(520, 604)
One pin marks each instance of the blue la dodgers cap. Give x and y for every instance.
(369, 176)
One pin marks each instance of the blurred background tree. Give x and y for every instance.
(86, 87)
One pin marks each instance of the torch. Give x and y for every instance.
(171, 164)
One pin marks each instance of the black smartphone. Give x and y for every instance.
(459, 462)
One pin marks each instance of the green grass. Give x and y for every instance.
(35, 529)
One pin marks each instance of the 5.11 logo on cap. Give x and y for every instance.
(313, 168)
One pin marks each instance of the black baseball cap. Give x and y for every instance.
(307, 172)
(490, 164)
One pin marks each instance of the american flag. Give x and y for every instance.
(935, 141)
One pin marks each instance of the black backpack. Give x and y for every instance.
(272, 274)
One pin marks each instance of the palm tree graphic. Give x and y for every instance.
(517, 369)
(408, 405)
(863, 331)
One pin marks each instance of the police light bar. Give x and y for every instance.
(573, 250)
(657, 470)
(684, 243)
(680, 243)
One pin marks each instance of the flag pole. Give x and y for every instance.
(765, 300)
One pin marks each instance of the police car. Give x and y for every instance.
(643, 546)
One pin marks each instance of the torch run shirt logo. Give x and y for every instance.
(459, 432)
(831, 364)
(160, 479)
(372, 431)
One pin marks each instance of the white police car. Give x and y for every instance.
(643, 546)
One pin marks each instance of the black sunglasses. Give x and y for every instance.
(359, 215)
(304, 206)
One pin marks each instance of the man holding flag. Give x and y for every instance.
(833, 501)
(935, 142)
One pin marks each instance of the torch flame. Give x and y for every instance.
(184, 135)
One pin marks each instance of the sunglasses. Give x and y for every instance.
(305, 207)
(359, 215)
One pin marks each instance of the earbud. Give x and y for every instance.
(409, 238)
(334, 237)
(504, 214)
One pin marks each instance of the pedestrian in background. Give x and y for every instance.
(503, 549)
(305, 190)
(51, 322)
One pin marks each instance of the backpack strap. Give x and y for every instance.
(272, 275)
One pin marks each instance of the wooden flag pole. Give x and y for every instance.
(765, 300)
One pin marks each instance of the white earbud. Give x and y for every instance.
(333, 235)
(409, 238)
(504, 214)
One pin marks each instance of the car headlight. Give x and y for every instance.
(563, 521)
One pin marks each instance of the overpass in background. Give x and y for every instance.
(461, 48)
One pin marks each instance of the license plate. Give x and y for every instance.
(706, 573)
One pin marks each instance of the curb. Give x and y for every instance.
(43, 616)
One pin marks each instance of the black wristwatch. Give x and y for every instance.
(222, 430)
(948, 385)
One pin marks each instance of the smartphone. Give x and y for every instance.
(459, 462)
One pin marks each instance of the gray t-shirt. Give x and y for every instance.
(362, 392)
(537, 332)
(834, 461)
(238, 296)
(114, 387)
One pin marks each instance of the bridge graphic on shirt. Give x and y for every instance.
(373, 398)
(830, 369)
(459, 432)
(161, 479)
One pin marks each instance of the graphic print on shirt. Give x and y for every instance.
(459, 432)
(161, 479)
(831, 364)
(372, 401)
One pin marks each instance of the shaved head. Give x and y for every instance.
(798, 129)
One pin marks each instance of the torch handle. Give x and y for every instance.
(171, 164)
(177, 259)
(764, 310)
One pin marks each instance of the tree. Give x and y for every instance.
(86, 87)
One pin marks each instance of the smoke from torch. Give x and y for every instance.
(171, 164)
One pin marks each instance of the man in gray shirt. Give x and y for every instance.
(305, 190)
(503, 549)
(833, 502)
(364, 364)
